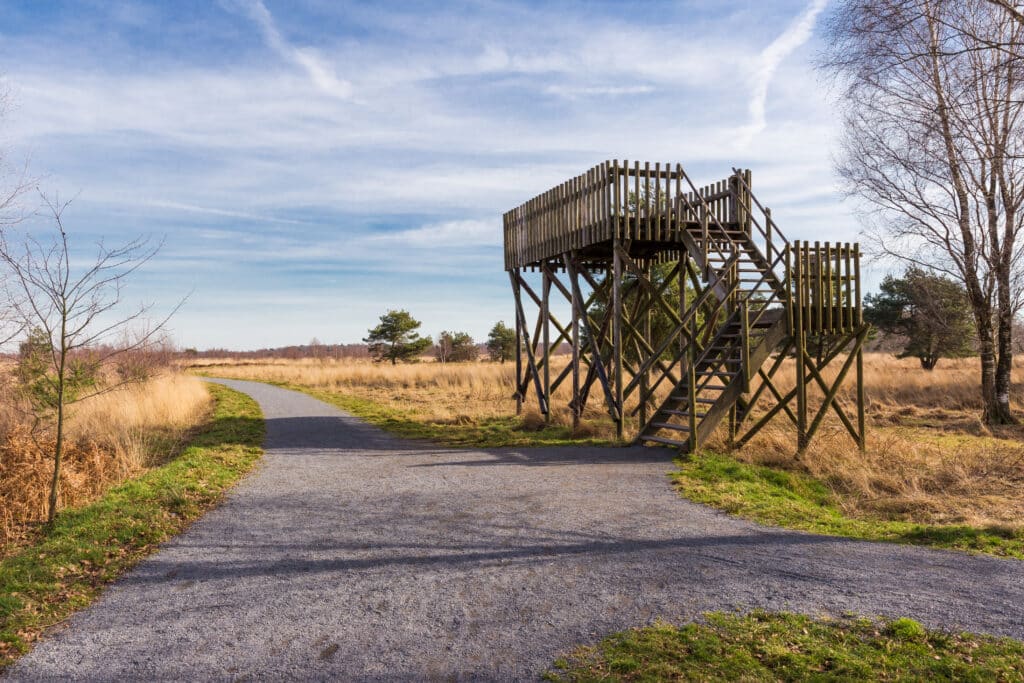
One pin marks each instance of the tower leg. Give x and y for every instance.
(519, 351)
(617, 340)
(546, 339)
(577, 407)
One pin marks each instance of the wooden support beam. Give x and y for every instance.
(545, 314)
(617, 337)
(596, 365)
(531, 363)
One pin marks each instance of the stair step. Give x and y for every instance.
(667, 442)
(673, 411)
(683, 399)
(670, 425)
(716, 374)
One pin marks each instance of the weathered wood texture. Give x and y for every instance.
(745, 292)
(626, 201)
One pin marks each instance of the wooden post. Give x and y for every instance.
(577, 409)
(860, 355)
(800, 343)
(617, 338)
(519, 346)
(691, 387)
(546, 338)
(644, 384)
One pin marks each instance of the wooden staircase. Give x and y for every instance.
(748, 323)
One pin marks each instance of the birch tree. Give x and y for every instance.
(932, 144)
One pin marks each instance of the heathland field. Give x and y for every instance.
(929, 458)
(111, 438)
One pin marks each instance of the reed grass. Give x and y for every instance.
(110, 438)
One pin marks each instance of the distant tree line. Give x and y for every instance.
(396, 338)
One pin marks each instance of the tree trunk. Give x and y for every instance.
(986, 348)
(997, 411)
(58, 449)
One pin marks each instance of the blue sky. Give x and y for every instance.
(311, 164)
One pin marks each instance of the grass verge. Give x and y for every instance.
(87, 547)
(483, 432)
(765, 646)
(798, 501)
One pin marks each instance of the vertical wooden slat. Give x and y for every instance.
(818, 290)
(856, 279)
(636, 195)
(829, 293)
(789, 289)
(648, 209)
(618, 201)
(677, 215)
(577, 218)
(848, 305)
(658, 213)
(606, 198)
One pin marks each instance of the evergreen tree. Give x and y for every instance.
(501, 342)
(395, 338)
(931, 311)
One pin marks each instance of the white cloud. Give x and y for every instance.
(582, 91)
(254, 169)
(464, 233)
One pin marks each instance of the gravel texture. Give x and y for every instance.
(353, 555)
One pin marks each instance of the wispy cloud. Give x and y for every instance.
(191, 208)
(767, 62)
(463, 233)
(270, 179)
(318, 69)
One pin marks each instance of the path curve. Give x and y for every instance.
(353, 555)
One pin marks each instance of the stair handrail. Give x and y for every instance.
(765, 211)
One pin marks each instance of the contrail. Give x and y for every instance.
(319, 72)
(796, 34)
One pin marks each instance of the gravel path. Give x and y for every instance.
(353, 555)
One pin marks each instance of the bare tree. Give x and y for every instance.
(76, 322)
(1010, 8)
(933, 143)
(14, 181)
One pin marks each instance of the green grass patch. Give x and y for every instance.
(798, 501)
(488, 432)
(87, 547)
(765, 646)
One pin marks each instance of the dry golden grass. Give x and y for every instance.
(929, 458)
(449, 393)
(110, 438)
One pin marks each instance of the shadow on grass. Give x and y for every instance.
(980, 538)
(228, 431)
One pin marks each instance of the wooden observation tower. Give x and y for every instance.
(684, 303)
